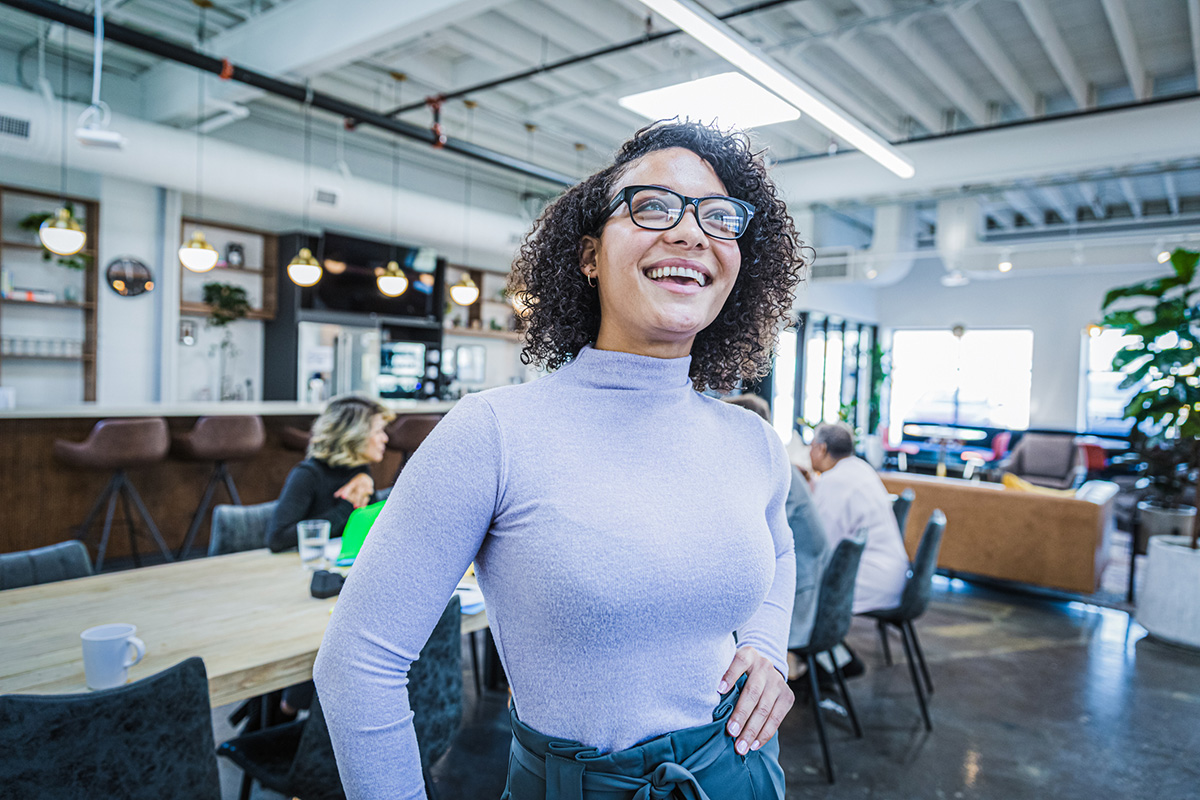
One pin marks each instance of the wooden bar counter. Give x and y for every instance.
(43, 501)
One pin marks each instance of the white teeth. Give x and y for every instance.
(680, 272)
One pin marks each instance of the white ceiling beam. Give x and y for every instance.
(1116, 139)
(1092, 197)
(993, 56)
(300, 38)
(910, 41)
(1058, 201)
(1172, 193)
(813, 75)
(1046, 30)
(1131, 56)
(1030, 210)
(1131, 196)
(819, 19)
(1193, 7)
(916, 47)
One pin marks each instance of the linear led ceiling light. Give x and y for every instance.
(731, 46)
(731, 98)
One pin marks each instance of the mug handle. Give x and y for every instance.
(138, 645)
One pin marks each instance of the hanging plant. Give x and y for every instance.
(227, 303)
(33, 223)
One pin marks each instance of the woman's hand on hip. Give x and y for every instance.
(764, 702)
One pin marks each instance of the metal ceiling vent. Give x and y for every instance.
(14, 126)
(327, 196)
(831, 264)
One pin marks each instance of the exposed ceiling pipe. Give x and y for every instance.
(294, 91)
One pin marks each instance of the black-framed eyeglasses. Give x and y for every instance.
(657, 208)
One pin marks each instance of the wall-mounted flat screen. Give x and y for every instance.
(349, 279)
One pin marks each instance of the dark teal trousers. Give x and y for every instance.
(690, 764)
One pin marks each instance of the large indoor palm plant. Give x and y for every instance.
(1162, 364)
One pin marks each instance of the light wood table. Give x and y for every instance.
(248, 615)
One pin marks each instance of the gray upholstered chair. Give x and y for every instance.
(238, 528)
(56, 562)
(901, 506)
(296, 758)
(1047, 459)
(835, 601)
(143, 741)
(913, 602)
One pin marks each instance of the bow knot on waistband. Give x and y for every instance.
(671, 780)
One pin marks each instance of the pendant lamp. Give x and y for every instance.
(465, 292)
(196, 254)
(391, 280)
(61, 234)
(303, 269)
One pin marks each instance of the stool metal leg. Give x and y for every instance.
(223, 471)
(133, 547)
(816, 704)
(154, 533)
(194, 527)
(111, 491)
(916, 679)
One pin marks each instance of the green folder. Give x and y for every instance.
(355, 533)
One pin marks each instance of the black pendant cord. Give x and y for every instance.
(200, 123)
(62, 181)
(307, 156)
(468, 182)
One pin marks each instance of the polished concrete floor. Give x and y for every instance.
(1034, 698)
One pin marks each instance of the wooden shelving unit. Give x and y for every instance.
(261, 243)
(510, 336)
(20, 257)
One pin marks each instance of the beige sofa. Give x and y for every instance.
(1056, 541)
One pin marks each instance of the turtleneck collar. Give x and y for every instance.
(612, 369)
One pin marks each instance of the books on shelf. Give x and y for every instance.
(30, 295)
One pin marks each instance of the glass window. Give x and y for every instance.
(980, 377)
(1104, 400)
(783, 404)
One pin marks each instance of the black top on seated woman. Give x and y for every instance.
(335, 478)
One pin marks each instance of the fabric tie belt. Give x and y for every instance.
(664, 768)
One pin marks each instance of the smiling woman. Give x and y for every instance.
(640, 607)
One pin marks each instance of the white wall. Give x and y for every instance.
(1056, 308)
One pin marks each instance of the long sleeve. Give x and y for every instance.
(767, 630)
(301, 496)
(419, 548)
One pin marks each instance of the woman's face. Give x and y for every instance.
(376, 441)
(660, 317)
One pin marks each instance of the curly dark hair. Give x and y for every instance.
(562, 311)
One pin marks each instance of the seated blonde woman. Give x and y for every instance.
(335, 478)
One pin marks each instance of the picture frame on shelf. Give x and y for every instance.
(235, 255)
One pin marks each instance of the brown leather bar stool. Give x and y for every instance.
(405, 434)
(293, 438)
(220, 440)
(119, 445)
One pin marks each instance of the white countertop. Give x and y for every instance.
(267, 408)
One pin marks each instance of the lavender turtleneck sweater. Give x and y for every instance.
(623, 527)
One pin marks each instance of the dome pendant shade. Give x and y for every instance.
(61, 233)
(197, 254)
(465, 292)
(303, 269)
(391, 280)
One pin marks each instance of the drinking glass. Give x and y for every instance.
(312, 535)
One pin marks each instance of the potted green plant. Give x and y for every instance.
(1164, 364)
(226, 303)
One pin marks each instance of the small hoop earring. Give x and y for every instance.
(591, 279)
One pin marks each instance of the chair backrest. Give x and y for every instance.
(901, 506)
(435, 690)
(143, 741)
(1000, 444)
(915, 598)
(835, 599)
(56, 562)
(314, 773)
(1045, 454)
(238, 528)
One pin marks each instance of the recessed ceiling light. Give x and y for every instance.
(730, 97)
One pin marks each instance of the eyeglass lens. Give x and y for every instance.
(659, 209)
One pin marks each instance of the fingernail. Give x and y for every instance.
(723, 687)
(734, 728)
(757, 744)
(741, 748)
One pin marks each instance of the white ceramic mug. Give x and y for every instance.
(108, 653)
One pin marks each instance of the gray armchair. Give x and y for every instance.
(56, 562)
(238, 528)
(1052, 460)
